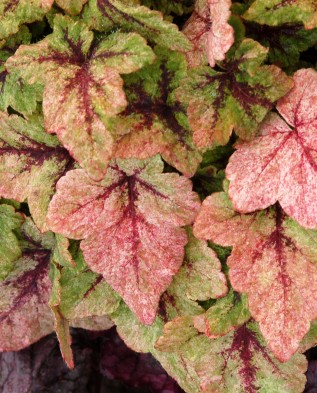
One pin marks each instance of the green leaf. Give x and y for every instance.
(72, 7)
(178, 7)
(278, 12)
(14, 13)
(154, 120)
(238, 97)
(9, 246)
(104, 15)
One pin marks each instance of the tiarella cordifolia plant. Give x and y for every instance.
(158, 171)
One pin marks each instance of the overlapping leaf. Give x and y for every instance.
(73, 7)
(178, 7)
(236, 98)
(31, 162)
(209, 32)
(24, 313)
(9, 246)
(278, 12)
(285, 42)
(155, 121)
(130, 222)
(14, 13)
(273, 261)
(104, 15)
(282, 160)
(82, 85)
(14, 91)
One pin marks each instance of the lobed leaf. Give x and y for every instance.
(130, 225)
(236, 98)
(282, 160)
(31, 162)
(273, 261)
(154, 120)
(209, 32)
(278, 12)
(82, 85)
(104, 15)
(14, 13)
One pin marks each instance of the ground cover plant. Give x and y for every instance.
(158, 172)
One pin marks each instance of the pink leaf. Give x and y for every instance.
(130, 225)
(281, 163)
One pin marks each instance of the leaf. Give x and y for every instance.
(240, 362)
(104, 15)
(14, 13)
(72, 7)
(203, 270)
(209, 32)
(278, 12)
(155, 121)
(14, 91)
(82, 85)
(285, 42)
(178, 7)
(236, 98)
(225, 315)
(273, 261)
(25, 316)
(9, 245)
(132, 235)
(281, 161)
(64, 337)
(31, 162)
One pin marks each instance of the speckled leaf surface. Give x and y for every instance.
(82, 85)
(14, 92)
(237, 97)
(178, 7)
(273, 261)
(154, 120)
(14, 13)
(9, 246)
(25, 315)
(104, 15)
(278, 12)
(31, 162)
(72, 7)
(130, 223)
(282, 160)
(240, 362)
(225, 315)
(209, 32)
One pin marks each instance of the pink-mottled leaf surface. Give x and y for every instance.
(273, 261)
(209, 31)
(130, 223)
(280, 164)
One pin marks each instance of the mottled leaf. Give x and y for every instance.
(25, 316)
(9, 246)
(238, 97)
(273, 261)
(72, 7)
(82, 85)
(285, 42)
(225, 315)
(155, 121)
(278, 12)
(31, 162)
(14, 13)
(104, 15)
(282, 159)
(130, 222)
(14, 91)
(209, 32)
(240, 362)
(64, 338)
